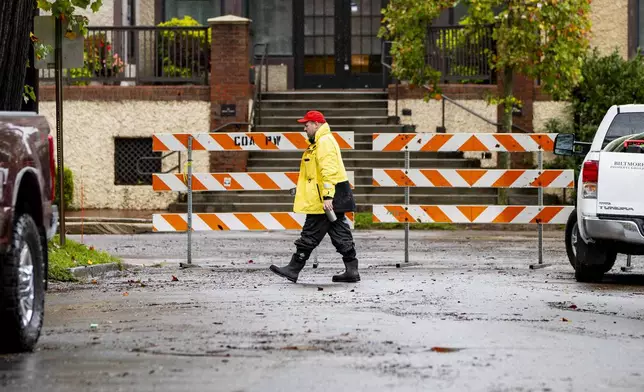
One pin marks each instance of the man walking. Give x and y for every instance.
(322, 186)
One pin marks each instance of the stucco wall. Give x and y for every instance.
(610, 26)
(89, 132)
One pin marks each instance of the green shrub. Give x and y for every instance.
(68, 188)
(184, 52)
(607, 80)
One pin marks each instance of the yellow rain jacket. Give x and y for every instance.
(321, 170)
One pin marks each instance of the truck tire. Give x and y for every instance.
(22, 285)
(592, 261)
(571, 237)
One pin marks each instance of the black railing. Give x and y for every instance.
(256, 112)
(142, 55)
(460, 55)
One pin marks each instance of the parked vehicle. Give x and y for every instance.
(609, 214)
(28, 219)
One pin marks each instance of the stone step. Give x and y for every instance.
(367, 129)
(335, 121)
(321, 95)
(329, 113)
(361, 154)
(364, 203)
(322, 104)
(284, 164)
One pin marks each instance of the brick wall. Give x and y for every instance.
(229, 83)
(454, 91)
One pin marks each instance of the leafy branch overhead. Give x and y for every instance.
(542, 39)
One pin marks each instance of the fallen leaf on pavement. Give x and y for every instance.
(445, 349)
(250, 261)
(565, 320)
(125, 294)
(320, 288)
(174, 278)
(573, 306)
(94, 281)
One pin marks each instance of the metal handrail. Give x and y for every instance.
(257, 99)
(161, 158)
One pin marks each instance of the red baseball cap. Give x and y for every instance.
(313, 116)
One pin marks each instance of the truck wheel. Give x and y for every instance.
(592, 261)
(22, 285)
(571, 237)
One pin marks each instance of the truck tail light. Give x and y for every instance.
(589, 179)
(52, 168)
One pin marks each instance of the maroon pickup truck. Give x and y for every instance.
(28, 219)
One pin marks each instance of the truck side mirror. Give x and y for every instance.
(565, 144)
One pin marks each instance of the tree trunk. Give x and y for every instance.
(15, 22)
(506, 127)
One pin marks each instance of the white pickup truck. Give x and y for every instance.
(609, 214)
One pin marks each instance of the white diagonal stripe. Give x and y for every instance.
(210, 182)
(160, 224)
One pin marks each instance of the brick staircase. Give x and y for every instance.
(363, 113)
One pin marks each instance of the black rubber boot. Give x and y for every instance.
(292, 270)
(351, 274)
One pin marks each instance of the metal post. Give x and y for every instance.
(628, 267)
(315, 258)
(406, 206)
(539, 224)
(189, 216)
(58, 59)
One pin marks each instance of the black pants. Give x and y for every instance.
(316, 227)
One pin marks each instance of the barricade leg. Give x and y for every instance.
(188, 263)
(628, 267)
(540, 225)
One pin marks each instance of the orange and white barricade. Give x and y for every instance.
(243, 141)
(470, 178)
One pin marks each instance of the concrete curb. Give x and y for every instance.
(93, 271)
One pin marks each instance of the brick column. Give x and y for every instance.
(524, 90)
(229, 83)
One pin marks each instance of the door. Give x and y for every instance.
(337, 44)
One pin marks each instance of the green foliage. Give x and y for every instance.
(544, 39)
(364, 221)
(68, 188)
(98, 60)
(73, 254)
(180, 49)
(608, 80)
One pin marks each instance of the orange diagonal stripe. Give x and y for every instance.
(213, 221)
(349, 216)
(374, 219)
(297, 139)
(546, 178)
(264, 181)
(400, 214)
(571, 185)
(341, 142)
(508, 214)
(225, 141)
(399, 142)
(286, 220)
(263, 142)
(436, 214)
(399, 177)
(374, 182)
(544, 141)
(473, 144)
(471, 176)
(249, 220)
(508, 178)
(293, 176)
(476, 211)
(546, 214)
(198, 185)
(183, 139)
(176, 221)
(436, 142)
(157, 144)
(158, 184)
(221, 178)
(435, 177)
(510, 143)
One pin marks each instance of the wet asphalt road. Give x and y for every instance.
(467, 314)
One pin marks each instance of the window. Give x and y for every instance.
(200, 10)
(273, 24)
(624, 124)
(127, 154)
